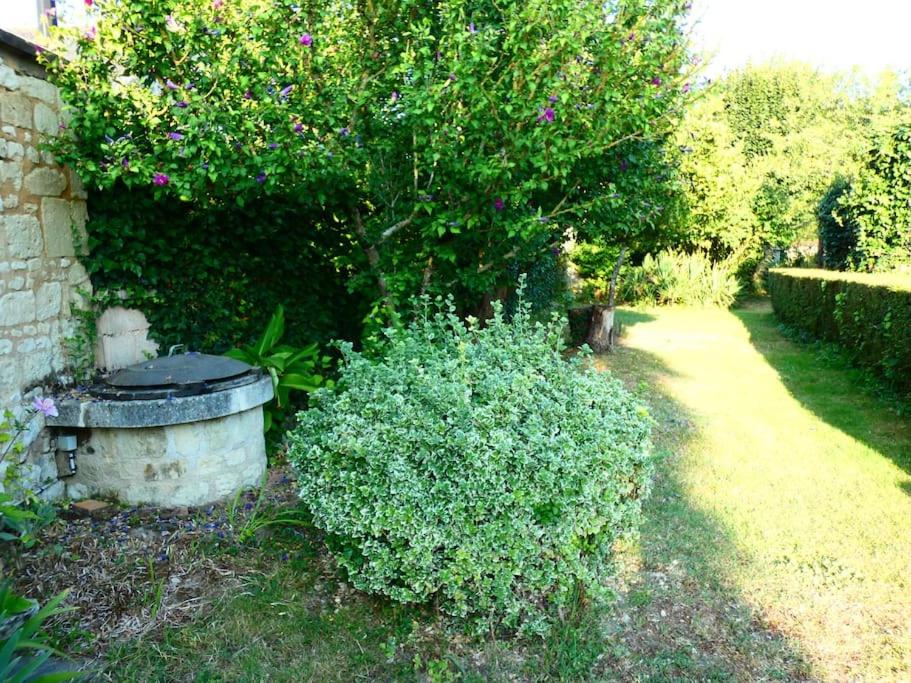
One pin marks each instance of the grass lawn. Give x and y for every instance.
(776, 546)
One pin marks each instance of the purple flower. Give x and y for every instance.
(261, 178)
(499, 204)
(344, 132)
(452, 77)
(656, 81)
(216, 4)
(273, 145)
(472, 28)
(686, 87)
(552, 99)
(248, 95)
(204, 166)
(125, 162)
(306, 40)
(175, 136)
(183, 104)
(547, 116)
(631, 37)
(298, 127)
(284, 92)
(161, 179)
(543, 219)
(90, 34)
(395, 96)
(248, 506)
(45, 406)
(171, 85)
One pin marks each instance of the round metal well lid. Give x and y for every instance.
(186, 368)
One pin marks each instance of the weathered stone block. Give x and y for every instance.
(10, 149)
(48, 300)
(45, 181)
(39, 89)
(169, 466)
(16, 110)
(58, 231)
(76, 187)
(17, 308)
(23, 236)
(11, 172)
(9, 79)
(46, 120)
(122, 338)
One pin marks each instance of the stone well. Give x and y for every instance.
(175, 451)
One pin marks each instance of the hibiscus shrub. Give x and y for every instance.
(475, 466)
(443, 141)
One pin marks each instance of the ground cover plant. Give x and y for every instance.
(475, 467)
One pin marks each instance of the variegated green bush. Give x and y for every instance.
(474, 466)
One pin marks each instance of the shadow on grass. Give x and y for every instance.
(629, 317)
(678, 616)
(825, 383)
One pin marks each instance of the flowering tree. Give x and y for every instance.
(450, 138)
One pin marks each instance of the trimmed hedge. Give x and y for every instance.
(869, 315)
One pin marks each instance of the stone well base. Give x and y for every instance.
(174, 465)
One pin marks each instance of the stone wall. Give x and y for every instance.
(42, 221)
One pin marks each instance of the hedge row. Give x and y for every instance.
(870, 315)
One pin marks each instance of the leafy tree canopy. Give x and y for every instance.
(452, 138)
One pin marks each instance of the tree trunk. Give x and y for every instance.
(601, 329)
(373, 258)
(602, 332)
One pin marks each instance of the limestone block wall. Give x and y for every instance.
(43, 208)
(183, 464)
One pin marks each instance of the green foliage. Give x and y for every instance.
(878, 207)
(680, 278)
(19, 519)
(474, 466)
(869, 315)
(449, 139)
(208, 274)
(292, 370)
(838, 236)
(24, 650)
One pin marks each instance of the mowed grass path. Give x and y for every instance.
(784, 482)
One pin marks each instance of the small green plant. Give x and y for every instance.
(474, 466)
(24, 650)
(245, 529)
(680, 278)
(292, 369)
(17, 521)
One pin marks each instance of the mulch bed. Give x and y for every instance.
(130, 570)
